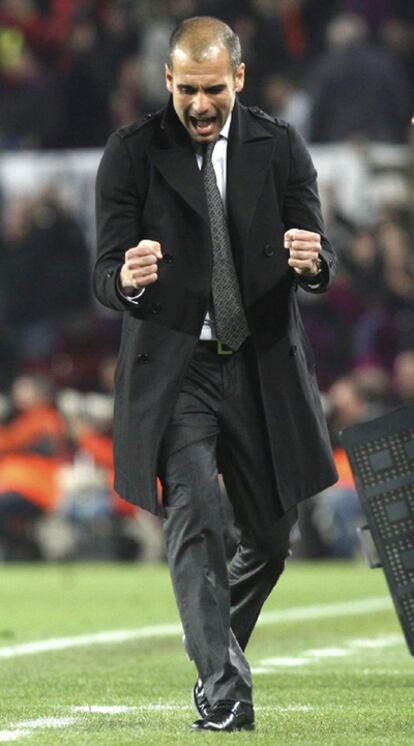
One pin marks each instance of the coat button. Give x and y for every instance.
(155, 308)
(168, 258)
(293, 351)
(109, 272)
(143, 357)
(268, 250)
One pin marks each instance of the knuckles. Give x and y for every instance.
(146, 244)
(144, 248)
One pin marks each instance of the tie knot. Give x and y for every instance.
(208, 148)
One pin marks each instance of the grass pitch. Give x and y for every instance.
(331, 675)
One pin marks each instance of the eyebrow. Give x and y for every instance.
(208, 89)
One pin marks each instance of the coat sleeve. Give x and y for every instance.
(302, 209)
(118, 217)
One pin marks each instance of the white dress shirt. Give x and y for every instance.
(219, 160)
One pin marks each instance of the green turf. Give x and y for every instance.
(359, 699)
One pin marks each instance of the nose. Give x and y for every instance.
(200, 103)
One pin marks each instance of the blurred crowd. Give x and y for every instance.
(56, 474)
(70, 72)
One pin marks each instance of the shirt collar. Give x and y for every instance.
(225, 131)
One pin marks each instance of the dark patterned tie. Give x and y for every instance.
(231, 322)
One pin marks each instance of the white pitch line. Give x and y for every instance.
(375, 643)
(305, 657)
(104, 709)
(95, 638)
(155, 707)
(47, 722)
(26, 727)
(327, 653)
(285, 661)
(300, 613)
(326, 611)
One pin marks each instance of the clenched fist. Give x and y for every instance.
(304, 248)
(140, 268)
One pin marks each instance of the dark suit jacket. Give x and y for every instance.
(149, 186)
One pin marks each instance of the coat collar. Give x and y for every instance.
(249, 154)
(175, 159)
(249, 157)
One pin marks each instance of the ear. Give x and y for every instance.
(168, 78)
(239, 77)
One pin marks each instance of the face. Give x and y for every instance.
(203, 92)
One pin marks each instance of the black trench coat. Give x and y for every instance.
(149, 187)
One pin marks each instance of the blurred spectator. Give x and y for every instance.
(316, 15)
(259, 28)
(375, 383)
(397, 36)
(86, 119)
(403, 380)
(348, 404)
(332, 342)
(281, 98)
(100, 520)
(120, 36)
(23, 84)
(329, 520)
(128, 100)
(33, 446)
(94, 440)
(48, 267)
(357, 89)
(44, 26)
(36, 426)
(371, 306)
(56, 475)
(154, 49)
(363, 265)
(398, 258)
(373, 12)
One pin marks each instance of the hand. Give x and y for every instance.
(140, 268)
(304, 248)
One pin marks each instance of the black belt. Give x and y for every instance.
(216, 346)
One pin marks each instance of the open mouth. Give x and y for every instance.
(205, 126)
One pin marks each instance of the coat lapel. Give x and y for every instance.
(176, 161)
(248, 160)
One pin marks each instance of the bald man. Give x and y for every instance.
(208, 221)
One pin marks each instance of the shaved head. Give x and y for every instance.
(202, 38)
(204, 75)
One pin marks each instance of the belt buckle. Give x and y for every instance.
(223, 349)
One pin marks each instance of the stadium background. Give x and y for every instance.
(70, 73)
(90, 652)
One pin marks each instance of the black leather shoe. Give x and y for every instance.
(200, 701)
(226, 717)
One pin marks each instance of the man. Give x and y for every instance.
(208, 220)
